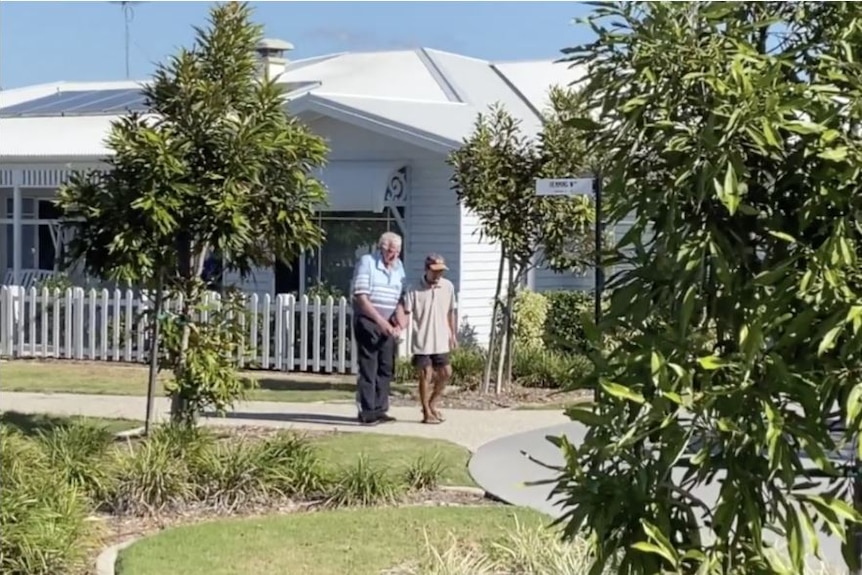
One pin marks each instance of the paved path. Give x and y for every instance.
(502, 467)
(470, 428)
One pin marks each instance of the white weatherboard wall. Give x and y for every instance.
(432, 209)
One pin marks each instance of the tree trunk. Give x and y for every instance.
(508, 330)
(492, 343)
(154, 354)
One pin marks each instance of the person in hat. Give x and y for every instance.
(429, 310)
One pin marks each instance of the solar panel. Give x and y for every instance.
(79, 102)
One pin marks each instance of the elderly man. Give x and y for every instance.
(429, 311)
(378, 284)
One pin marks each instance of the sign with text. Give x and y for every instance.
(564, 187)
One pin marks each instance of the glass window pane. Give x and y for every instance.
(332, 267)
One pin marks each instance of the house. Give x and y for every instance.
(391, 118)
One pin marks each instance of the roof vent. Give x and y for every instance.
(271, 51)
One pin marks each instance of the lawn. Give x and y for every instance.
(395, 453)
(355, 541)
(124, 379)
(31, 424)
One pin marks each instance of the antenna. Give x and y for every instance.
(128, 9)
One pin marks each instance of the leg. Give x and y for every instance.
(442, 373)
(426, 374)
(385, 373)
(366, 383)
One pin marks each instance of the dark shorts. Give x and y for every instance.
(434, 360)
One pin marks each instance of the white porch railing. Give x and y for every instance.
(284, 333)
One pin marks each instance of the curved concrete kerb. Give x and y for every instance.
(107, 559)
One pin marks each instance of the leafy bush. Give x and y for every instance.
(364, 483)
(203, 356)
(529, 311)
(42, 517)
(534, 367)
(564, 329)
(468, 365)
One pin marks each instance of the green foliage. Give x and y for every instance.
(494, 177)
(564, 329)
(530, 312)
(425, 473)
(206, 372)
(364, 483)
(71, 449)
(731, 131)
(42, 518)
(467, 365)
(404, 370)
(537, 367)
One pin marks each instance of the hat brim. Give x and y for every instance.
(437, 267)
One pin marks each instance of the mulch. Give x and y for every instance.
(512, 396)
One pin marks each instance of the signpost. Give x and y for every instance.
(591, 187)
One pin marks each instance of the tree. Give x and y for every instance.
(732, 131)
(494, 177)
(216, 165)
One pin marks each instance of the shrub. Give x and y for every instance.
(468, 366)
(42, 518)
(549, 368)
(293, 466)
(231, 474)
(425, 473)
(529, 312)
(154, 474)
(564, 330)
(76, 452)
(363, 483)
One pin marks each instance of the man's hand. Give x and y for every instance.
(453, 342)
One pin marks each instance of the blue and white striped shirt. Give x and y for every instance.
(382, 285)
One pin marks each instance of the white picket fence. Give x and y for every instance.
(302, 334)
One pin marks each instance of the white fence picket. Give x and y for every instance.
(285, 333)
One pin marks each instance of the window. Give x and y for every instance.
(349, 235)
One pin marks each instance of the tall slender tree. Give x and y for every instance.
(495, 174)
(215, 165)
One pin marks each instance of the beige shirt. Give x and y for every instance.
(429, 307)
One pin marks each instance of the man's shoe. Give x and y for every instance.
(367, 422)
(386, 418)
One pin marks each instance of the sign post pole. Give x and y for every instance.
(583, 187)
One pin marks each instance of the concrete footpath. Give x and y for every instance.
(469, 428)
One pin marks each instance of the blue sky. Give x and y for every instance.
(50, 41)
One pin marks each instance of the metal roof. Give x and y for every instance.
(425, 96)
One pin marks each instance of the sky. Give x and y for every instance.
(84, 41)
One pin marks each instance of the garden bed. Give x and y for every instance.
(86, 488)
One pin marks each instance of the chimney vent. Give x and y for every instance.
(270, 52)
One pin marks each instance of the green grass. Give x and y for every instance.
(355, 541)
(31, 424)
(124, 379)
(394, 452)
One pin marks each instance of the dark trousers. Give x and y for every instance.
(376, 361)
